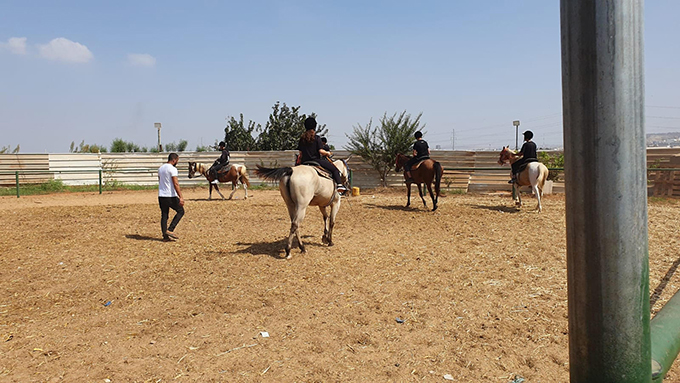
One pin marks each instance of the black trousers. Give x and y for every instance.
(331, 168)
(167, 203)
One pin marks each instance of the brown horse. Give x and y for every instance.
(425, 172)
(533, 175)
(235, 174)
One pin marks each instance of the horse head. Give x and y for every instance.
(192, 169)
(344, 169)
(399, 162)
(505, 156)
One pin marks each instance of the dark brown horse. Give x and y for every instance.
(235, 174)
(425, 172)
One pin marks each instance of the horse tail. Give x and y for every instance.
(244, 176)
(438, 171)
(273, 174)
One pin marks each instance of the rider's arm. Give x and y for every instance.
(325, 153)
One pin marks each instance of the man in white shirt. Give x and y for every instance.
(169, 196)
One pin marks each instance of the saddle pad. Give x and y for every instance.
(323, 172)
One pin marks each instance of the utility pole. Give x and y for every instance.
(516, 124)
(157, 125)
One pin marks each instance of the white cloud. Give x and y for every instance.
(141, 59)
(16, 45)
(62, 49)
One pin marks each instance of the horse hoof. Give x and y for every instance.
(289, 256)
(302, 249)
(330, 243)
(434, 208)
(324, 240)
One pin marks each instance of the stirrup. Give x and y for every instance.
(512, 181)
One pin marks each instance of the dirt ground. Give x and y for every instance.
(89, 293)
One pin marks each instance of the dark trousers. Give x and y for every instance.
(331, 168)
(167, 203)
(412, 161)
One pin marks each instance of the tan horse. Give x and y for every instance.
(427, 172)
(301, 186)
(235, 174)
(533, 175)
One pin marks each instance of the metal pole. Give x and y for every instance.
(100, 181)
(606, 191)
(16, 176)
(516, 137)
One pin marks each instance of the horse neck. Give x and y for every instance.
(340, 164)
(201, 168)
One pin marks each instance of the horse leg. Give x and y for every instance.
(245, 187)
(538, 193)
(331, 223)
(434, 201)
(297, 216)
(408, 196)
(217, 189)
(518, 200)
(210, 185)
(234, 187)
(422, 196)
(324, 213)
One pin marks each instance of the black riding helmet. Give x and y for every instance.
(222, 144)
(310, 123)
(528, 135)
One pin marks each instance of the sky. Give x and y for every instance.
(94, 71)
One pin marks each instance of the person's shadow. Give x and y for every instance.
(143, 237)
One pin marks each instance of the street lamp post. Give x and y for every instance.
(516, 124)
(157, 125)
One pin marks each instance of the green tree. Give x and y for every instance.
(182, 146)
(238, 136)
(552, 160)
(379, 145)
(201, 148)
(284, 128)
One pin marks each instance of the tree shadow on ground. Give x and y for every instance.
(143, 237)
(663, 283)
(394, 207)
(275, 249)
(501, 208)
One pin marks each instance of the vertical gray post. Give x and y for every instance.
(606, 192)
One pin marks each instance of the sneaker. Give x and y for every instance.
(341, 188)
(512, 181)
(171, 235)
(167, 238)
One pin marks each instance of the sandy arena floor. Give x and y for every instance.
(89, 293)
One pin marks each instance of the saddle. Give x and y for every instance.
(224, 169)
(524, 165)
(323, 173)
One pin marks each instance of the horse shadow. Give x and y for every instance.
(392, 207)
(501, 208)
(143, 237)
(275, 249)
(656, 294)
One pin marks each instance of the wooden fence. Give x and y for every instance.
(464, 170)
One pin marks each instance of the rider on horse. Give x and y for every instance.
(421, 151)
(221, 162)
(311, 149)
(528, 153)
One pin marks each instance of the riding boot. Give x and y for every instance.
(513, 179)
(409, 178)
